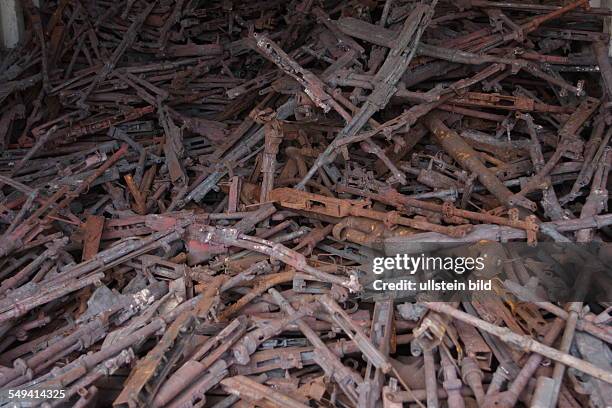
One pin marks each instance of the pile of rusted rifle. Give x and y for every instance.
(189, 189)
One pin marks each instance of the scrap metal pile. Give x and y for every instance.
(188, 189)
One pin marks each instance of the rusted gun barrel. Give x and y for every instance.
(454, 145)
(522, 342)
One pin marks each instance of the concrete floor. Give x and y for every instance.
(11, 23)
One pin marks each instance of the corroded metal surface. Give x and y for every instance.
(192, 192)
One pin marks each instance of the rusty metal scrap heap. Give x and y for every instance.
(188, 189)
